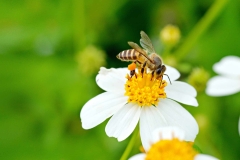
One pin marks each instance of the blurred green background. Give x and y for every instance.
(51, 51)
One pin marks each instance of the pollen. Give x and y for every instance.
(145, 89)
(132, 66)
(173, 149)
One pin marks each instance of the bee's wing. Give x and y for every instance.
(137, 47)
(146, 43)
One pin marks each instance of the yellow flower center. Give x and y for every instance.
(171, 150)
(145, 89)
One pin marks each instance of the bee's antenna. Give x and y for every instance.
(168, 78)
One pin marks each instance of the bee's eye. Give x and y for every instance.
(159, 70)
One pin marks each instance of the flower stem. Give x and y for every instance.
(79, 23)
(200, 28)
(130, 144)
(166, 51)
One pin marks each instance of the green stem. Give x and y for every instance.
(166, 51)
(79, 23)
(130, 144)
(200, 28)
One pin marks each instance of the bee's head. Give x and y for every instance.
(160, 71)
(156, 60)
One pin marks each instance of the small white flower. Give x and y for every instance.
(167, 143)
(129, 99)
(228, 80)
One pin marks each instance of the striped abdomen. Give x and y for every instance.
(128, 55)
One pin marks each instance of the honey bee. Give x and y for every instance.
(140, 56)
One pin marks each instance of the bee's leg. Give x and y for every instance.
(132, 72)
(143, 67)
(159, 74)
(132, 68)
(137, 62)
(161, 82)
(152, 74)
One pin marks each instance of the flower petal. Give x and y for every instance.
(99, 108)
(112, 80)
(222, 86)
(183, 88)
(172, 73)
(176, 115)
(204, 157)
(122, 124)
(150, 119)
(228, 66)
(167, 133)
(182, 92)
(140, 156)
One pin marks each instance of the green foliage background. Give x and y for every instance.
(42, 90)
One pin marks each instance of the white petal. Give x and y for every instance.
(204, 157)
(167, 133)
(228, 66)
(178, 116)
(99, 108)
(172, 73)
(112, 80)
(150, 119)
(183, 88)
(122, 124)
(140, 156)
(222, 86)
(182, 92)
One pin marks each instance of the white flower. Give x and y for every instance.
(167, 143)
(228, 80)
(127, 106)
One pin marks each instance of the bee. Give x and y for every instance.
(140, 55)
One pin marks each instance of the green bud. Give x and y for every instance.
(198, 79)
(170, 35)
(202, 121)
(90, 60)
(184, 67)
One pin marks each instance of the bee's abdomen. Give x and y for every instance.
(128, 55)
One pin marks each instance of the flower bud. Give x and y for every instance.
(198, 79)
(170, 35)
(90, 60)
(202, 121)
